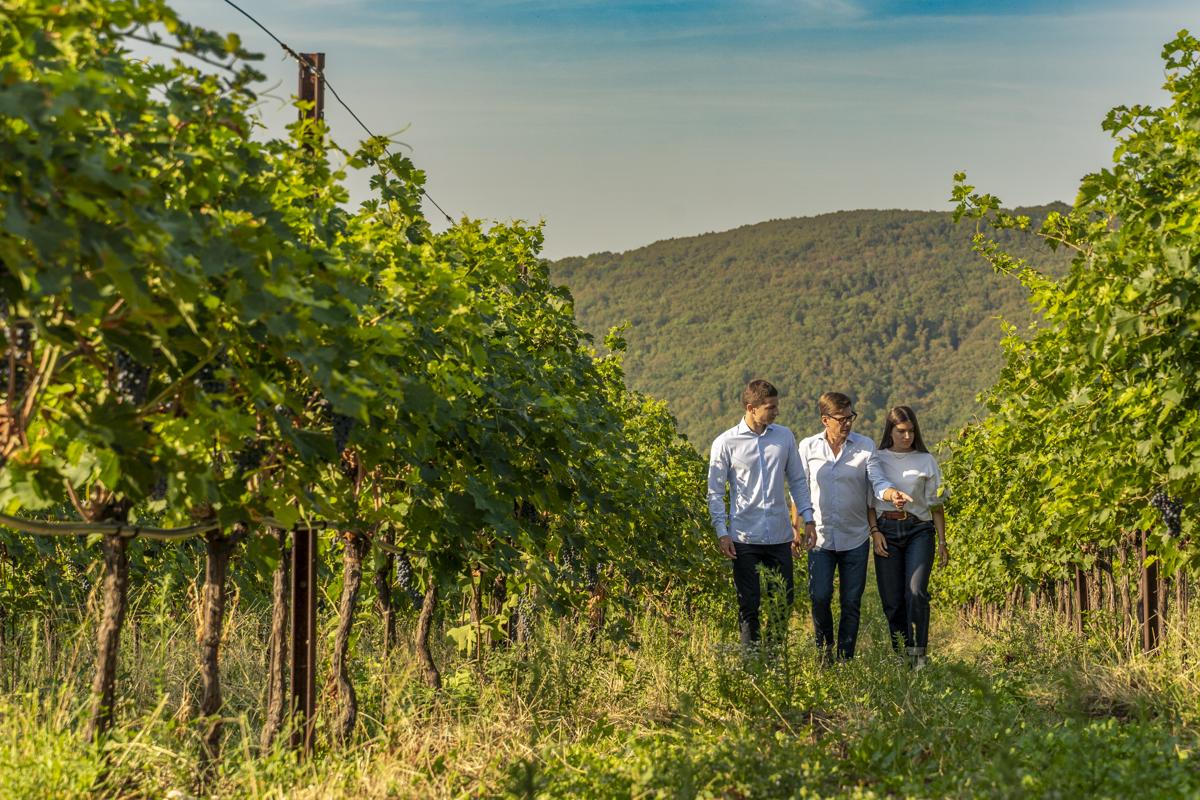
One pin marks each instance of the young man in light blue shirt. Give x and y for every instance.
(759, 463)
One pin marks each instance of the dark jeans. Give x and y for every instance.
(851, 566)
(776, 558)
(903, 579)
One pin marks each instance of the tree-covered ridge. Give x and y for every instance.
(891, 306)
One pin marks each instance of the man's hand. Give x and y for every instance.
(725, 544)
(896, 497)
(943, 554)
(805, 540)
(880, 544)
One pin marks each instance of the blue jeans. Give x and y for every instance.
(903, 580)
(851, 566)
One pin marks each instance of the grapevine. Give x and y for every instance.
(187, 284)
(1095, 410)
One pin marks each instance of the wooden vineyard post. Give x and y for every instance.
(1151, 624)
(1081, 599)
(303, 678)
(1126, 603)
(1164, 597)
(1182, 598)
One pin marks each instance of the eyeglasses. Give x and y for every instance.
(847, 420)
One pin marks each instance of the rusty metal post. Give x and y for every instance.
(304, 638)
(1151, 624)
(304, 548)
(312, 85)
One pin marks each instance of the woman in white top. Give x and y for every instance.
(904, 540)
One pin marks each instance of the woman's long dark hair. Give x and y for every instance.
(895, 416)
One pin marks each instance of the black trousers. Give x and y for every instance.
(773, 560)
(903, 579)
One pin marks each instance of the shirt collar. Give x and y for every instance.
(853, 442)
(742, 427)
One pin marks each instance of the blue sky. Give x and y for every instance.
(621, 123)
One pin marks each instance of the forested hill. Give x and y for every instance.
(888, 306)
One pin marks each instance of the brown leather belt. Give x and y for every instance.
(893, 514)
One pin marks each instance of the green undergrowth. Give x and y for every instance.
(675, 710)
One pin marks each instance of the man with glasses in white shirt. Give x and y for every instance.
(844, 478)
(758, 461)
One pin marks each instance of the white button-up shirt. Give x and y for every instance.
(755, 467)
(842, 487)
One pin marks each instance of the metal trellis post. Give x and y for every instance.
(304, 547)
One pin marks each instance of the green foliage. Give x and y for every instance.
(199, 328)
(885, 305)
(1097, 408)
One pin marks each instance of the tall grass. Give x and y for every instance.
(674, 709)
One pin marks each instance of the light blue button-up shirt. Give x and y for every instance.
(842, 487)
(756, 468)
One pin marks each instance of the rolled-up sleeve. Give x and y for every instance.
(718, 477)
(797, 478)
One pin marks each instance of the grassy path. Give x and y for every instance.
(1026, 712)
(673, 711)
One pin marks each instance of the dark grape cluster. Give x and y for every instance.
(250, 456)
(569, 563)
(524, 615)
(406, 580)
(1170, 508)
(21, 338)
(206, 379)
(343, 426)
(20, 344)
(132, 379)
(159, 490)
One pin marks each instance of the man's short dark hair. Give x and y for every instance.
(831, 402)
(758, 392)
